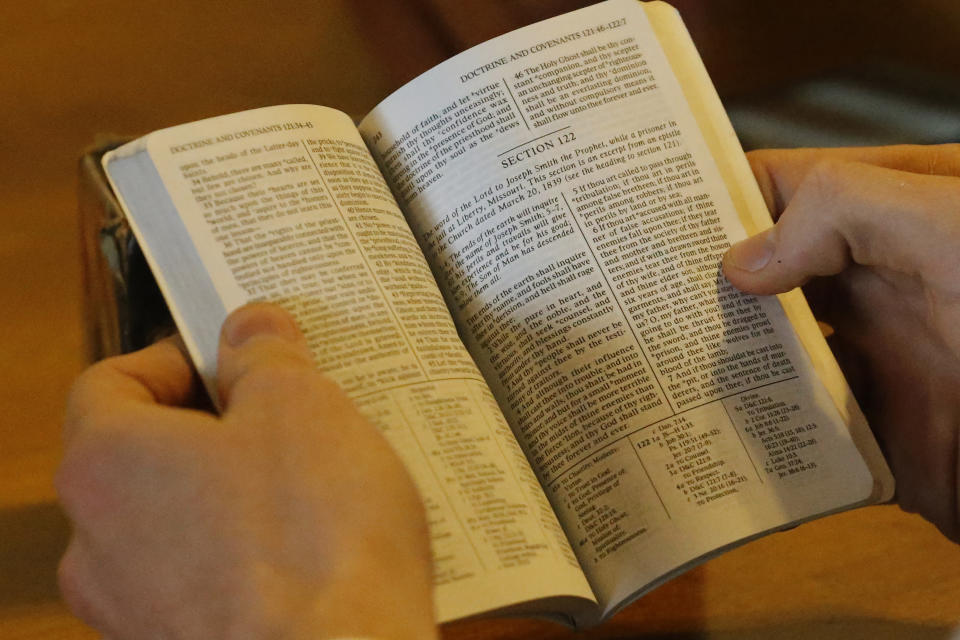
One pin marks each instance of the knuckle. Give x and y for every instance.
(77, 482)
(824, 178)
(92, 397)
(84, 396)
(829, 188)
(84, 479)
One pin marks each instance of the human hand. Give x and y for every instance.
(288, 516)
(876, 234)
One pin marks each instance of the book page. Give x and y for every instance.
(737, 175)
(285, 204)
(570, 208)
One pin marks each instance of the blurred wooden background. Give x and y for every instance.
(72, 69)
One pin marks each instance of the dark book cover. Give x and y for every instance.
(123, 309)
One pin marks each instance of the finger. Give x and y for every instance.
(160, 374)
(845, 212)
(780, 172)
(262, 347)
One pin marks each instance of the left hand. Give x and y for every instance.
(289, 516)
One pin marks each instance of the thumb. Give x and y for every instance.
(844, 212)
(262, 356)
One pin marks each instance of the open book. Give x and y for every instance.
(512, 266)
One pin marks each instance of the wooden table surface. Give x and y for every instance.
(70, 70)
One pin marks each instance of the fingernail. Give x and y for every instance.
(754, 253)
(259, 320)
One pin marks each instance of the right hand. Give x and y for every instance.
(876, 234)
